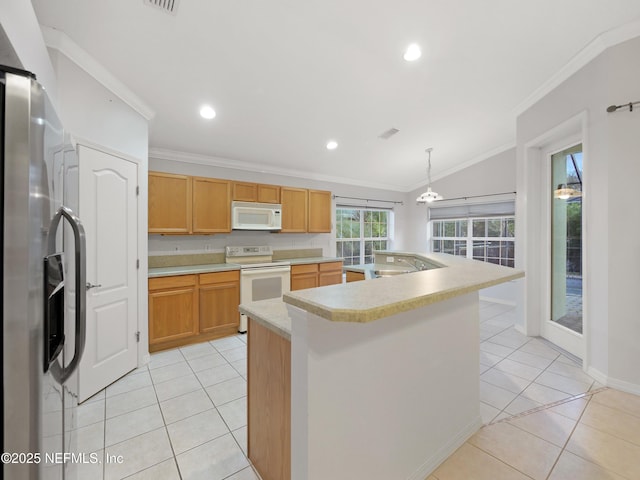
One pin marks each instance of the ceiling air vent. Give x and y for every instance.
(169, 6)
(388, 134)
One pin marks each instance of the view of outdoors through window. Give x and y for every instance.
(566, 238)
(359, 232)
(488, 239)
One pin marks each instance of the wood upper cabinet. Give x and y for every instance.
(319, 211)
(245, 192)
(219, 300)
(169, 203)
(173, 309)
(180, 204)
(294, 209)
(255, 192)
(268, 193)
(211, 205)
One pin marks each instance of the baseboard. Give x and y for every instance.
(519, 328)
(498, 300)
(621, 385)
(597, 375)
(446, 450)
(146, 359)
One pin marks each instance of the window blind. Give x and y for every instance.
(437, 212)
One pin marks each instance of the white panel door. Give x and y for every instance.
(108, 210)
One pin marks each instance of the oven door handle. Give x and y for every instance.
(264, 271)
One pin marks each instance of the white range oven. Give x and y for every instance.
(260, 277)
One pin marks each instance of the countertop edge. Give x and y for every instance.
(271, 314)
(225, 267)
(363, 315)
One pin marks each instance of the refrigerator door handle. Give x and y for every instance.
(60, 372)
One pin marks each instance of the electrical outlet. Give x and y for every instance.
(390, 259)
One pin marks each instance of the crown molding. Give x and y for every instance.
(462, 166)
(601, 43)
(58, 40)
(176, 156)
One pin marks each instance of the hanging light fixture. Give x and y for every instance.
(429, 196)
(564, 192)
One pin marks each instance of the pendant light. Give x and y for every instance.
(564, 192)
(428, 196)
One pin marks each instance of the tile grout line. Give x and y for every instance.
(530, 381)
(572, 432)
(547, 406)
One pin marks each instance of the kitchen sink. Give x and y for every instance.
(391, 272)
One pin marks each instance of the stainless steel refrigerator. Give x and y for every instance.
(43, 284)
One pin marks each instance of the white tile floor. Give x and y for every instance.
(520, 373)
(181, 417)
(184, 415)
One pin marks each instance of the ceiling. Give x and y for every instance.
(286, 76)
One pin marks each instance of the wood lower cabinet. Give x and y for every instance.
(219, 300)
(319, 220)
(312, 275)
(269, 402)
(329, 273)
(304, 276)
(185, 309)
(173, 309)
(354, 276)
(170, 203)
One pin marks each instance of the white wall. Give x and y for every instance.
(496, 174)
(611, 170)
(98, 118)
(172, 244)
(21, 27)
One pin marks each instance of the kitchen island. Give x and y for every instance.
(383, 374)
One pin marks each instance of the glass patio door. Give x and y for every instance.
(564, 326)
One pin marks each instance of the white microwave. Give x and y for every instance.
(256, 216)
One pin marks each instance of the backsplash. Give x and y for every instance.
(158, 261)
(302, 253)
(208, 244)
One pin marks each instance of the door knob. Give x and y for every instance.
(91, 285)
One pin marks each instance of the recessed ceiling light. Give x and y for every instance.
(412, 52)
(332, 145)
(206, 111)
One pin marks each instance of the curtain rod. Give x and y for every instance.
(613, 108)
(478, 196)
(369, 199)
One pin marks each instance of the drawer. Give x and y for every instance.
(308, 268)
(330, 266)
(219, 277)
(175, 281)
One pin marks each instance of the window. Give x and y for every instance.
(360, 231)
(490, 239)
